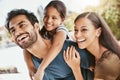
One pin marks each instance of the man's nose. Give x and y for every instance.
(18, 32)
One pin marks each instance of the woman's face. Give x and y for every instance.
(85, 33)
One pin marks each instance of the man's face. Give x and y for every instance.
(22, 31)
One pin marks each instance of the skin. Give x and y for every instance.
(52, 20)
(86, 37)
(21, 34)
(72, 58)
(27, 37)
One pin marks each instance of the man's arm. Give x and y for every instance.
(29, 63)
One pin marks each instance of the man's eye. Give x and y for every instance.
(12, 31)
(22, 25)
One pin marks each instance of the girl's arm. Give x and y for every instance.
(29, 63)
(55, 48)
(72, 58)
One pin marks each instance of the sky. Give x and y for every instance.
(32, 5)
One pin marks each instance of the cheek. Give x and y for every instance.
(58, 22)
(12, 38)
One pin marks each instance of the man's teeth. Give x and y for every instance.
(21, 37)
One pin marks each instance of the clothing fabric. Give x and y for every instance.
(58, 68)
(108, 66)
(63, 28)
(59, 28)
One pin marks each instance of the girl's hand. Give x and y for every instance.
(72, 58)
(38, 75)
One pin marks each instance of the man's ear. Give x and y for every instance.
(36, 25)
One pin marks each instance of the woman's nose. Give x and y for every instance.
(77, 34)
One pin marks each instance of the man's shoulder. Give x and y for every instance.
(70, 42)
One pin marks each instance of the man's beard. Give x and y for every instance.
(32, 39)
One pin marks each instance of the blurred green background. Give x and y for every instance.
(108, 9)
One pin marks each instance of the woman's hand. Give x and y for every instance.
(72, 58)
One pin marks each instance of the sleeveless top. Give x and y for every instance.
(59, 28)
(108, 66)
(58, 68)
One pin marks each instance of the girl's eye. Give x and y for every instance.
(54, 18)
(45, 16)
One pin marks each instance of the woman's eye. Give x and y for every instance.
(75, 31)
(84, 30)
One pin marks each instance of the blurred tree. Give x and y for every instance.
(110, 11)
(69, 21)
(0, 38)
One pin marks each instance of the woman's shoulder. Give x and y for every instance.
(110, 59)
(110, 55)
(108, 65)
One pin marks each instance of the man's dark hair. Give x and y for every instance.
(15, 12)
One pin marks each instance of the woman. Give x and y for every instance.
(92, 33)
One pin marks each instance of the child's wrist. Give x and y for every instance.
(42, 68)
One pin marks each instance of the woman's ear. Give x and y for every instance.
(99, 30)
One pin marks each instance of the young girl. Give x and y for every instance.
(53, 29)
(92, 33)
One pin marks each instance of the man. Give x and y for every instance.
(24, 29)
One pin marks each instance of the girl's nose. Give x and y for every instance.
(49, 20)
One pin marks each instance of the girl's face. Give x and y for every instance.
(85, 33)
(52, 19)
